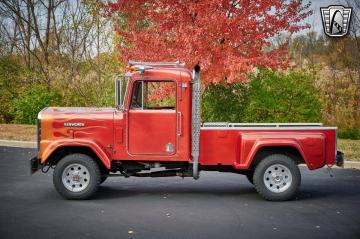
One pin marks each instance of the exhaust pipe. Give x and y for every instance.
(196, 120)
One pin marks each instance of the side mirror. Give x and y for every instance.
(118, 96)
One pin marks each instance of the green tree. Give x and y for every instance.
(224, 103)
(280, 97)
(11, 72)
(34, 99)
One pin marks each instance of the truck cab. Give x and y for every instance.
(155, 130)
(153, 119)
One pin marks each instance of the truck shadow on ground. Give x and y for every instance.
(110, 192)
(244, 192)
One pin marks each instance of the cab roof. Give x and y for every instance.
(162, 70)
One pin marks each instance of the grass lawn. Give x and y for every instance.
(21, 132)
(351, 148)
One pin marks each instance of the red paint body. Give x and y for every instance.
(142, 135)
(238, 147)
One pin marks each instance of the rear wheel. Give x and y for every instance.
(76, 176)
(250, 176)
(277, 177)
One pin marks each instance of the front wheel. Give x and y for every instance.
(277, 177)
(76, 176)
(103, 179)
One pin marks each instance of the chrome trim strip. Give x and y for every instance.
(226, 124)
(40, 112)
(38, 123)
(166, 64)
(268, 128)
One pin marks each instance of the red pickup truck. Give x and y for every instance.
(155, 130)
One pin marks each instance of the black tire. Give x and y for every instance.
(104, 174)
(250, 176)
(103, 179)
(264, 177)
(93, 175)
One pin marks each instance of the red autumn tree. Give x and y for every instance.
(228, 38)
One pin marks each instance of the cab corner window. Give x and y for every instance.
(154, 95)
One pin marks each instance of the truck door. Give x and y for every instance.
(152, 118)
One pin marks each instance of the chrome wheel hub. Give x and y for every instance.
(277, 178)
(75, 177)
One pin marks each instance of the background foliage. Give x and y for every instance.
(225, 103)
(228, 38)
(268, 97)
(70, 57)
(280, 97)
(32, 100)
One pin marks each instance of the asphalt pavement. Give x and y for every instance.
(218, 205)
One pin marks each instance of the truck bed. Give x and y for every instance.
(237, 144)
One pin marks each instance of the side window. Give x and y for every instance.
(159, 95)
(136, 97)
(154, 95)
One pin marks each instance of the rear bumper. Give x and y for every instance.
(339, 159)
(34, 165)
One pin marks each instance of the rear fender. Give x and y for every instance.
(249, 150)
(47, 149)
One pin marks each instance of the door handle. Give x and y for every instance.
(179, 123)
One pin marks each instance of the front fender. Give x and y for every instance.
(47, 148)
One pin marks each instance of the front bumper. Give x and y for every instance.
(34, 165)
(339, 159)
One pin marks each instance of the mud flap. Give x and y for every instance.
(34, 165)
(339, 160)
